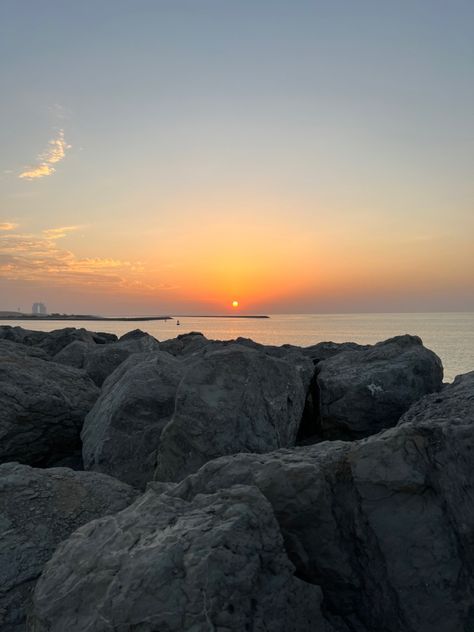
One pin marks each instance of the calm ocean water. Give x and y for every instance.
(450, 335)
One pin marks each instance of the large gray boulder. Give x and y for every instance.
(235, 399)
(384, 525)
(325, 350)
(122, 432)
(56, 340)
(185, 344)
(39, 509)
(363, 391)
(99, 361)
(164, 564)
(11, 348)
(42, 409)
(21, 335)
(454, 402)
(74, 354)
(53, 341)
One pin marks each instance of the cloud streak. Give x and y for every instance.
(59, 233)
(39, 258)
(4, 226)
(55, 152)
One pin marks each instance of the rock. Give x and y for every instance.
(366, 390)
(42, 409)
(99, 361)
(53, 341)
(301, 485)
(38, 509)
(384, 525)
(74, 354)
(325, 350)
(454, 402)
(72, 461)
(232, 400)
(56, 340)
(20, 335)
(103, 337)
(122, 431)
(184, 344)
(10, 348)
(216, 563)
(134, 334)
(160, 488)
(228, 400)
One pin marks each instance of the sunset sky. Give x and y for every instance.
(171, 156)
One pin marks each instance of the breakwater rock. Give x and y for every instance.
(237, 486)
(38, 509)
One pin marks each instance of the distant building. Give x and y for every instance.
(39, 309)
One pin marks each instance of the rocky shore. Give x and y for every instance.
(198, 485)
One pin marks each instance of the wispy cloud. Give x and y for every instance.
(59, 233)
(54, 153)
(8, 226)
(40, 258)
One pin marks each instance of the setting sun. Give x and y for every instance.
(235, 303)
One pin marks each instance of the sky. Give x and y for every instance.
(173, 156)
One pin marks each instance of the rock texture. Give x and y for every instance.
(235, 399)
(21, 335)
(216, 563)
(371, 533)
(42, 409)
(363, 391)
(384, 525)
(99, 361)
(10, 348)
(53, 341)
(455, 402)
(122, 432)
(38, 509)
(185, 344)
(325, 350)
(56, 340)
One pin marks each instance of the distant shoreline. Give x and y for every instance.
(126, 319)
(86, 318)
(217, 316)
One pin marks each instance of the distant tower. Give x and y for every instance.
(39, 309)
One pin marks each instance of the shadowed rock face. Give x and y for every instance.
(99, 361)
(122, 432)
(185, 344)
(384, 525)
(39, 509)
(215, 563)
(325, 350)
(42, 409)
(16, 349)
(366, 390)
(380, 528)
(235, 399)
(20, 335)
(53, 341)
(211, 402)
(455, 402)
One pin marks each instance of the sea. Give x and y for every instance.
(450, 335)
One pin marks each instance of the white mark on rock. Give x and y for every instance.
(374, 389)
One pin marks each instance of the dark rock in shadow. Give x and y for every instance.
(214, 563)
(42, 409)
(39, 509)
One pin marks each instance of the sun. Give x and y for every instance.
(235, 303)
